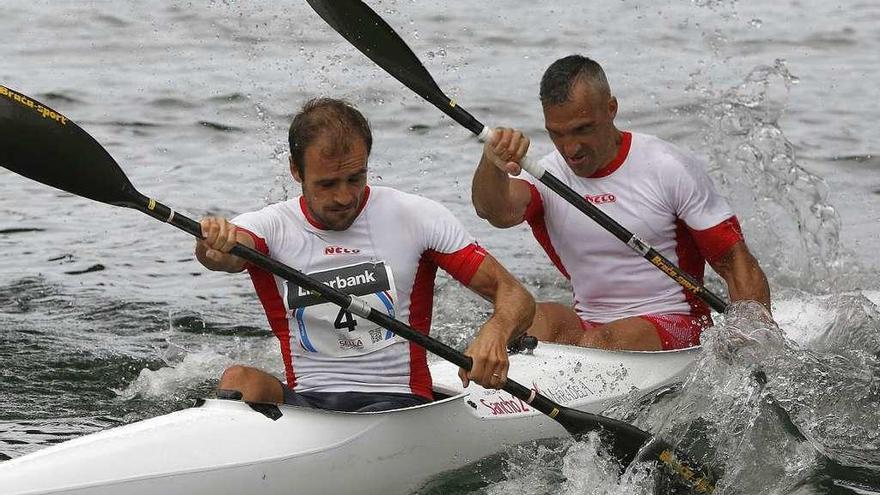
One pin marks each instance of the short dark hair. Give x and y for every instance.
(326, 115)
(560, 77)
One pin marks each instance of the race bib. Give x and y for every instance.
(325, 328)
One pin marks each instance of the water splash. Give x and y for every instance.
(784, 208)
(759, 406)
(193, 371)
(562, 466)
(178, 381)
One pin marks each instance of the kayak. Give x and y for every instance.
(231, 447)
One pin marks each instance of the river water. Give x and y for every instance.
(106, 318)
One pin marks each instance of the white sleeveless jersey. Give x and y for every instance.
(388, 257)
(658, 192)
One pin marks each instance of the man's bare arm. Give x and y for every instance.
(514, 311)
(496, 197)
(745, 278)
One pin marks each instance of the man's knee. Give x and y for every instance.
(556, 323)
(255, 385)
(237, 375)
(601, 337)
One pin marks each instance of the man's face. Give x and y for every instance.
(582, 128)
(334, 181)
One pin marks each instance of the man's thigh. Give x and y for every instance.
(556, 323)
(560, 324)
(632, 334)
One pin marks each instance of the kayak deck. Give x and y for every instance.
(228, 447)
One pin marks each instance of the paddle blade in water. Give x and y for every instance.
(44, 145)
(678, 473)
(624, 439)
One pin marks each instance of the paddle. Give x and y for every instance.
(370, 34)
(42, 144)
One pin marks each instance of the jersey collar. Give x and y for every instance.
(613, 165)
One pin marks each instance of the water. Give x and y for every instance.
(107, 318)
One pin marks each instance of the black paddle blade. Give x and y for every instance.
(678, 473)
(44, 145)
(370, 34)
(623, 439)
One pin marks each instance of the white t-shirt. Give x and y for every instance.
(658, 192)
(389, 257)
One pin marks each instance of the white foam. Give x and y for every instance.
(803, 319)
(203, 365)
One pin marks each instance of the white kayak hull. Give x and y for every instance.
(226, 447)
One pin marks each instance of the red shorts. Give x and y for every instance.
(676, 331)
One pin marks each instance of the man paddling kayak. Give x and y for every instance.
(374, 242)
(657, 191)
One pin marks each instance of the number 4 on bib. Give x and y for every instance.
(344, 320)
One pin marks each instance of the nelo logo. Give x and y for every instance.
(331, 250)
(601, 198)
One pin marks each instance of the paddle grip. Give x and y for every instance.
(527, 163)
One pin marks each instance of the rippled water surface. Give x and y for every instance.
(105, 317)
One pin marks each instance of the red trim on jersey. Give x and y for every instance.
(462, 264)
(691, 262)
(715, 241)
(613, 165)
(678, 331)
(535, 208)
(535, 217)
(421, 304)
(317, 223)
(259, 245)
(273, 305)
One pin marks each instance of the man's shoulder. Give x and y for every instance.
(279, 210)
(389, 196)
(408, 209)
(657, 148)
(657, 157)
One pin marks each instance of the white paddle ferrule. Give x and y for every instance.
(527, 163)
(359, 307)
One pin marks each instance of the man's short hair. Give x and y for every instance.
(326, 116)
(561, 76)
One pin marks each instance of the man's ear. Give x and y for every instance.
(294, 171)
(612, 107)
